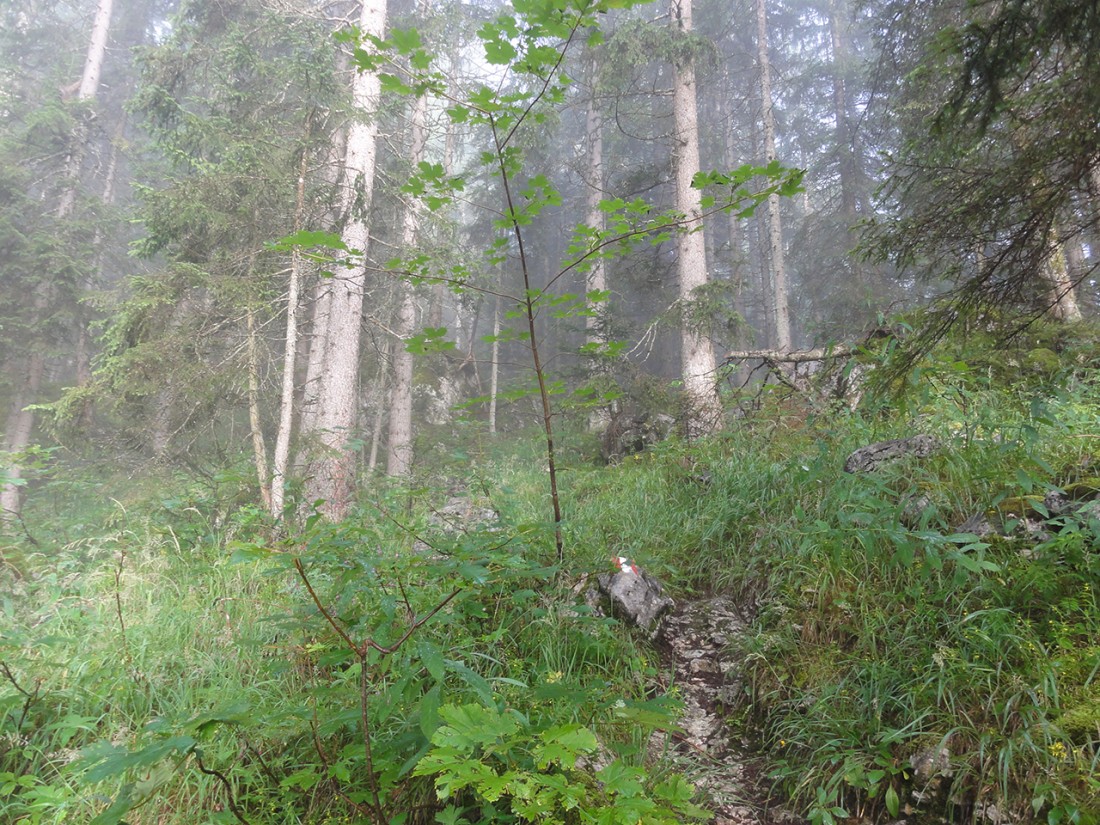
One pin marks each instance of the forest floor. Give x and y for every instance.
(920, 640)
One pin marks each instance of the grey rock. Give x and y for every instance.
(628, 434)
(992, 813)
(930, 763)
(870, 458)
(1056, 502)
(636, 597)
(914, 509)
(977, 524)
(1035, 530)
(460, 514)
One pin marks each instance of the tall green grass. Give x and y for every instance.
(174, 666)
(883, 634)
(146, 634)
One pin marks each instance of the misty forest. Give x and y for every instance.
(550, 411)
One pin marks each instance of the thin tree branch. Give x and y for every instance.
(226, 784)
(317, 601)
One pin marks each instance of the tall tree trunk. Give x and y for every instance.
(89, 86)
(736, 253)
(1075, 258)
(315, 358)
(333, 474)
(697, 366)
(852, 197)
(597, 323)
(778, 268)
(20, 421)
(439, 289)
(845, 136)
(399, 439)
(740, 273)
(761, 259)
(321, 291)
(494, 366)
(259, 447)
(17, 435)
(380, 398)
(281, 459)
(1061, 297)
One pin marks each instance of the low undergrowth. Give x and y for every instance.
(924, 638)
(927, 636)
(386, 669)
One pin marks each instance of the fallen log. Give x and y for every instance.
(791, 356)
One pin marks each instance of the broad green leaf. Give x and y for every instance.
(303, 779)
(499, 52)
(432, 659)
(474, 680)
(621, 779)
(405, 41)
(429, 711)
(234, 714)
(893, 804)
(392, 84)
(563, 744)
(468, 726)
(117, 809)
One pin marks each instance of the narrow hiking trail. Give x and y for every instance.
(694, 641)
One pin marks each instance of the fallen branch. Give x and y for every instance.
(793, 357)
(810, 373)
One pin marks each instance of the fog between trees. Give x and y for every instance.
(266, 218)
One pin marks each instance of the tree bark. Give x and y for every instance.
(259, 447)
(703, 411)
(399, 439)
(89, 86)
(494, 367)
(791, 356)
(736, 254)
(381, 388)
(439, 290)
(281, 459)
(336, 395)
(17, 436)
(597, 322)
(845, 135)
(315, 359)
(1061, 296)
(97, 49)
(778, 304)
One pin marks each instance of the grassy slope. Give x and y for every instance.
(873, 642)
(876, 641)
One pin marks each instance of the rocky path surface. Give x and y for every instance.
(694, 640)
